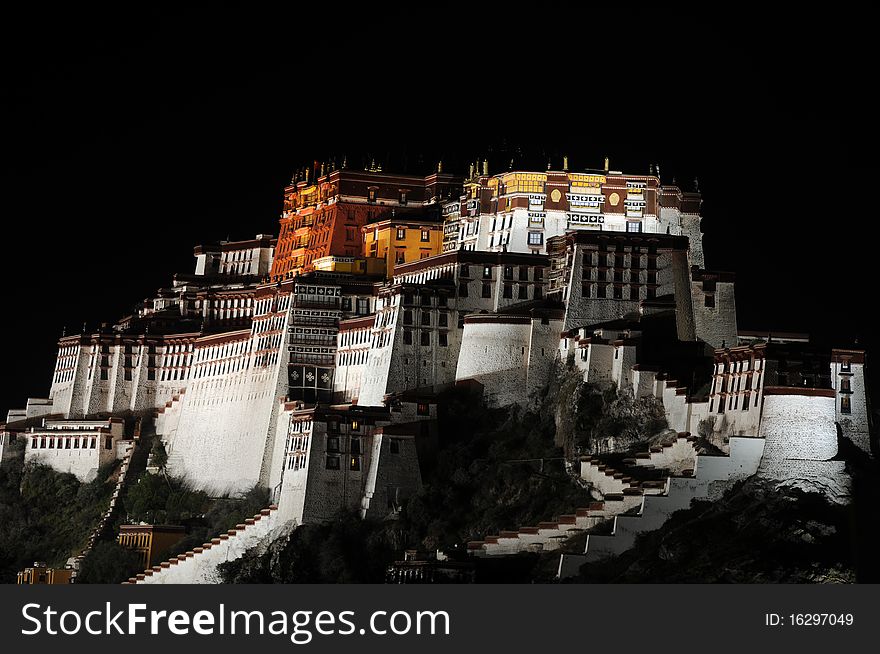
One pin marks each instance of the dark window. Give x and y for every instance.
(523, 292)
(618, 276)
(538, 293)
(426, 299)
(709, 301)
(652, 278)
(333, 462)
(487, 272)
(508, 291)
(708, 285)
(487, 290)
(442, 300)
(394, 446)
(443, 320)
(651, 293)
(539, 274)
(636, 261)
(463, 289)
(356, 445)
(652, 263)
(465, 270)
(346, 304)
(508, 272)
(600, 275)
(402, 197)
(846, 404)
(618, 293)
(443, 339)
(108, 442)
(845, 385)
(600, 290)
(633, 292)
(354, 463)
(408, 317)
(523, 274)
(586, 290)
(333, 444)
(407, 337)
(400, 256)
(618, 261)
(401, 233)
(104, 373)
(426, 318)
(407, 298)
(423, 409)
(426, 337)
(371, 195)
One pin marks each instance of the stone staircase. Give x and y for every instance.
(617, 492)
(133, 462)
(708, 480)
(199, 565)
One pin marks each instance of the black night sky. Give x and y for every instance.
(125, 143)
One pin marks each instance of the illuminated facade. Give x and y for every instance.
(398, 240)
(518, 211)
(325, 217)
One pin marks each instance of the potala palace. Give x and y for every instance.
(310, 363)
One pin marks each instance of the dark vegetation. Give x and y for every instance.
(496, 469)
(159, 499)
(46, 515)
(754, 534)
(108, 563)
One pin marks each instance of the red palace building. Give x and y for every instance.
(324, 217)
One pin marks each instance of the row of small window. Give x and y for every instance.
(373, 195)
(355, 460)
(731, 403)
(617, 292)
(425, 338)
(355, 337)
(508, 272)
(352, 358)
(736, 384)
(67, 375)
(736, 366)
(425, 236)
(619, 261)
(507, 292)
(69, 443)
(425, 299)
(442, 318)
(601, 275)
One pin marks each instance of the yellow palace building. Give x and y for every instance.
(402, 240)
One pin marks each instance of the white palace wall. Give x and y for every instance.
(800, 434)
(225, 436)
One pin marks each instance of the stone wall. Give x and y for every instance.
(716, 325)
(393, 476)
(798, 425)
